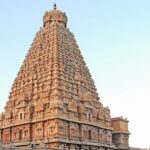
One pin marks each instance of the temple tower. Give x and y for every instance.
(53, 100)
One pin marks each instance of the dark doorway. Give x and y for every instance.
(90, 134)
(20, 135)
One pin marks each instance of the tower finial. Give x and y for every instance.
(55, 7)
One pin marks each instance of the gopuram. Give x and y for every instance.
(53, 100)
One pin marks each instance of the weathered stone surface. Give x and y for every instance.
(53, 99)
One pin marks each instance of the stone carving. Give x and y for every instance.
(53, 99)
(72, 106)
(1, 116)
(39, 107)
(8, 114)
(56, 104)
(87, 96)
(81, 109)
(100, 114)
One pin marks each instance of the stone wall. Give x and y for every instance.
(53, 99)
(133, 148)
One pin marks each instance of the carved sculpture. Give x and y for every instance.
(53, 99)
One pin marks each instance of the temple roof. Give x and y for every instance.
(55, 15)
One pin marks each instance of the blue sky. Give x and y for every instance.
(113, 36)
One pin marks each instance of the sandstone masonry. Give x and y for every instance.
(53, 99)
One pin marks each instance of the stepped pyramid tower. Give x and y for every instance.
(53, 100)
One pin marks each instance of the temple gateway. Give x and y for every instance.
(53, 100)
